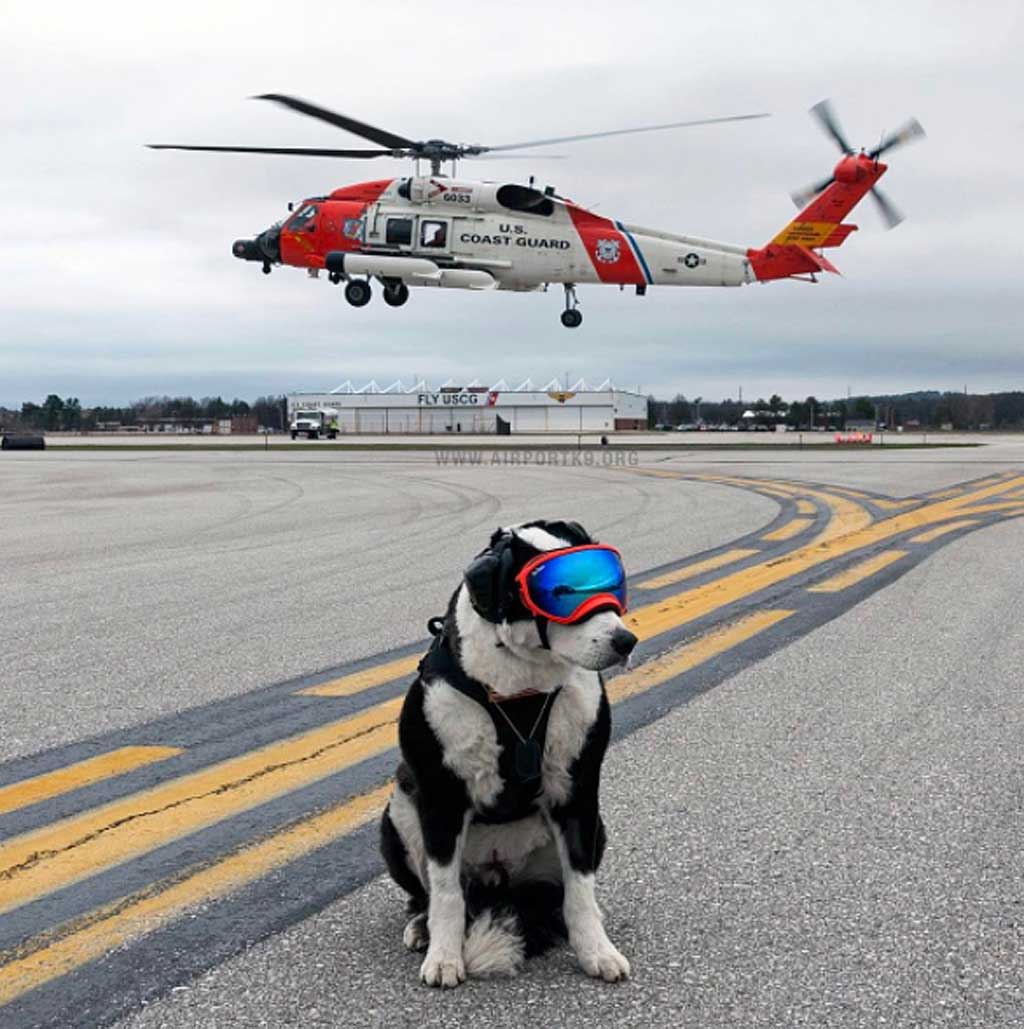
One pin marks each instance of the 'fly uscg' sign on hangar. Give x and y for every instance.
(464, 398)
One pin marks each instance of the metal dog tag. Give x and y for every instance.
(528, 759)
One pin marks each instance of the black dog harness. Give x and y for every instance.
(525, 714)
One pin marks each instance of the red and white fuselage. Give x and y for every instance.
(461, 234)
(514, 236)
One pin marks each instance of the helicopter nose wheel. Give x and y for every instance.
(358, 293)
(396, 294)
(572, 317)
(334, 278)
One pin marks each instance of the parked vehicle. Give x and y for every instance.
(314, 424)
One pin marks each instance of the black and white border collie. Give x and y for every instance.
(495, 840)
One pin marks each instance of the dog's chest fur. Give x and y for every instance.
(481, 750)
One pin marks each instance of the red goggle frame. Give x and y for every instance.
(576, 582)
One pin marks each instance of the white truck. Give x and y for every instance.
(314, 424)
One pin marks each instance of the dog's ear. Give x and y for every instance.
(489, 577)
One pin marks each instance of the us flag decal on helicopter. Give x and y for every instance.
(436, 231)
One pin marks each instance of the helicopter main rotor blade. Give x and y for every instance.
(621, 132)
(826, 115)
(513, 157)
(295, 151)
(909, 132)
(340, 121)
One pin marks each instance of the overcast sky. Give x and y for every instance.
(117, 277)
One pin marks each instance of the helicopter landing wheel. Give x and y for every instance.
(358, 293)
(334, 278)
(571, 317)
(396, 294)
(266, 267)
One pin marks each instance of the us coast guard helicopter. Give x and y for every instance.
(436, 230)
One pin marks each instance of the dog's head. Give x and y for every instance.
(597, 640)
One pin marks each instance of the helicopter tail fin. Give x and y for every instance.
(795, 251)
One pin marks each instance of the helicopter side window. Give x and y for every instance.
(433, 235)
(304, 220)
(399, 231)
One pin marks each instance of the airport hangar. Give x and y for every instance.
(476, 408)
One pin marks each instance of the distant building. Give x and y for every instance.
(203, 426)
(475, 408)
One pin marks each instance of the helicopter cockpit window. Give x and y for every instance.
(304, 220)
(399, 231)
(433, 234)
(522, 198)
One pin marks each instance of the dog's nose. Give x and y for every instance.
(623, 642)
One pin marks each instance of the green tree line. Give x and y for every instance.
(924, 409)
(67, 414)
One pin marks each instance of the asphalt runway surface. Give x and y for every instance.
(815, 800)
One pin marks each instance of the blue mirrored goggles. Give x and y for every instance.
(567, 585)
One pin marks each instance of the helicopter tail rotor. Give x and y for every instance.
(826, 116)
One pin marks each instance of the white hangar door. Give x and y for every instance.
(563, 419)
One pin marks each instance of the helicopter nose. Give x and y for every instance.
(246, 250)
(265, 247)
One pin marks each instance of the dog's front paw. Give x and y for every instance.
(416, 935)
(604, 962)
(445, 970)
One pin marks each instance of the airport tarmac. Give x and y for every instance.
(813, 801)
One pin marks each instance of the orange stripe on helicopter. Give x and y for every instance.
(608, 249)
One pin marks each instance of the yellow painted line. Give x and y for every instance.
(660, 669)
(858, 573)
(1006, 507)
(942, 494)
(846, 515)
(75, 848)
(711, 563)
(895, 505)
(805, 507)
(1016, 495)
(934, 534)
(103, 930)
(82, 773)
(789, 530)
(376, 675)
(684, 607)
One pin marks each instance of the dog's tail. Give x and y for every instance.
(508, 924)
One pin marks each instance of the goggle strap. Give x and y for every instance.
(542, 630)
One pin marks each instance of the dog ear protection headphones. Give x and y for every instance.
(489, 578)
